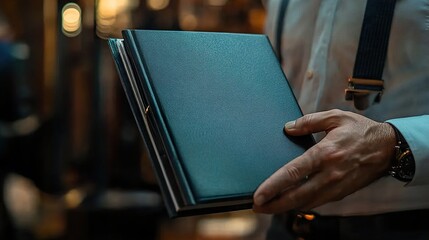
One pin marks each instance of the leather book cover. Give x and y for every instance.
(211, 108)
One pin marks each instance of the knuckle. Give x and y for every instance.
(338, 112)
(293, 172)
(336, 176)
(269, 192)
(335, 116)
(332, 152)
(317, 149)
(304, 122)
(328, 155)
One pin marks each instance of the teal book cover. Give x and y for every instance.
(211, 109)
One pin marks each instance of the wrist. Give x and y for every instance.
(390, 142)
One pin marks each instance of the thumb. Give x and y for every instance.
(313, 123)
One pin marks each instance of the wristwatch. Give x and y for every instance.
(403, 165)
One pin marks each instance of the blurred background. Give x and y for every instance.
(72, 164)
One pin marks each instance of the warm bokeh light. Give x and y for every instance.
(111, 15)
(107, 9)
(188, 21)
(309, 217)
(71, 20)
(157, 4)
(73, 198)
(228, 227)
(256, 19)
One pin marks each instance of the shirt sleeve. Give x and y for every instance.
(416, 132)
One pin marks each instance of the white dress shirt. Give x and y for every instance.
(318, 44)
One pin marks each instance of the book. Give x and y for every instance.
(211, 109)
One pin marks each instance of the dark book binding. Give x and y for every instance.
(211, 109)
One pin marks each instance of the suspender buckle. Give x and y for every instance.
(359, 90)
(359, 87)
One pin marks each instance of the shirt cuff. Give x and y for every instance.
(415, 130)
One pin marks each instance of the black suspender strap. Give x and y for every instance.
(374, 39)
(371, 53)
(279, 27)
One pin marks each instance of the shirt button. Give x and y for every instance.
(310, 74)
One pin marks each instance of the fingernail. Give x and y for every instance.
(259, 200)
(290, 125)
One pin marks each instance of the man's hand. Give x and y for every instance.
(355, 152)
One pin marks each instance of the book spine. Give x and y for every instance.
(158, 120)
(137, 108)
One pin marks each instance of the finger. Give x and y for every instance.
(325, 188)
(287, 176)
(279, 204)
(335, 186)
(331, 191)
(314, 122)
(295, 198)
